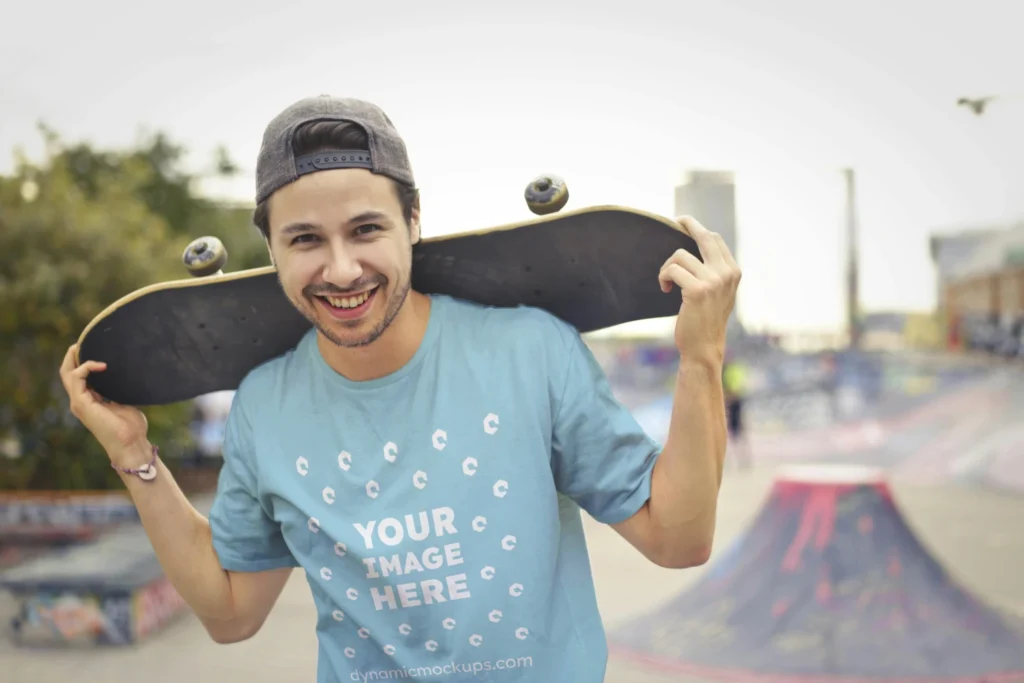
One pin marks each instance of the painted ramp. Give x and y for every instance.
(828, 583)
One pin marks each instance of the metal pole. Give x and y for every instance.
(852, 282)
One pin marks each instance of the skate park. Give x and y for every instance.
(868, 535)
(848, 562)
(868, 523)
(883, 551)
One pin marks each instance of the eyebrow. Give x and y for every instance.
(368, 216)
(297, 227)
(365, 216)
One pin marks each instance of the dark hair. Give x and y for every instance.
(321, 136)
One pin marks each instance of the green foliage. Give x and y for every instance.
(78, 231)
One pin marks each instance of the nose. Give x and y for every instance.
(342, 268)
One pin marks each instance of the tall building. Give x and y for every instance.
(710, 197)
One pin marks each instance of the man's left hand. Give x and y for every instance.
(708, 290)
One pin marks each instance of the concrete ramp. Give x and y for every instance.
(828, 583)
(980, 441)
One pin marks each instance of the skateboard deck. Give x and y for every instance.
(594, 268)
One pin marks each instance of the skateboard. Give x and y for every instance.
(594, 267)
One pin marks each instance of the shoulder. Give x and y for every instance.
(267, 383)
(530, 343)
(522, 328)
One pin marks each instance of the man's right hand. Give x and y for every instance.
(121, 430)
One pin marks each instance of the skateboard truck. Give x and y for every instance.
(546, 194)
(205, 256)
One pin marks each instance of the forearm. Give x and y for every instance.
(688, 473)
(181, 537)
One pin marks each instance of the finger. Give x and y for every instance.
(688, 261)
(675, 274)
(702, 236)
(719, 261)
(98, 398)
(78, 389)
(67, 366)
(726, 252)
(88, 367)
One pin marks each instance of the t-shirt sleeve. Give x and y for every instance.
(602, 458)
(245, 537)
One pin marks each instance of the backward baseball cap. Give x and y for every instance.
(277, 165)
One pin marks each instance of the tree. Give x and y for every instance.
(169, 191)
(79, 230)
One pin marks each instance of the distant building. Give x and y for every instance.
(710, 197)
(899, 330)
(961, 254)
(980, 280)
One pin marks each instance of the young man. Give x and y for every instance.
(734, 383)
(424, 460)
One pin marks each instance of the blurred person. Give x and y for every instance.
(209, 416)
(424, 459)
(734, 383)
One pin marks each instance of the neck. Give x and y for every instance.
(389, 352)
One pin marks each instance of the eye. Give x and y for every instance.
(304, 238)
(368, 228)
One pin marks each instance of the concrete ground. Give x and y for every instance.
(972, 531)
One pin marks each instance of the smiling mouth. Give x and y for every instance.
(349, 301)
(348, 306)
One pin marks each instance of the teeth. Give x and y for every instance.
(349, 301)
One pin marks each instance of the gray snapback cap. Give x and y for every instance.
(277, 165)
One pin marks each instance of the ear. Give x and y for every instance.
(414, 223)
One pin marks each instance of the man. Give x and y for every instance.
(734, 377)
(423, 459)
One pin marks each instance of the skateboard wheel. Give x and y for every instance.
(546, 194)
(204, 256)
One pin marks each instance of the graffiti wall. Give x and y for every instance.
(111, 591)
(73, 617)
(153, 606)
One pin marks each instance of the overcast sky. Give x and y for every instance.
(619, 98)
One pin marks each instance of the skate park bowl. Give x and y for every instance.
(827, 583)
(925, 419)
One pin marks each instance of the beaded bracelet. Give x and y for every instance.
(147, 472)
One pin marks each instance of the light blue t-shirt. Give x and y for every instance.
(436, 511)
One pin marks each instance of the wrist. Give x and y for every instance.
(709, 361)
(706, 352)
(134, 456)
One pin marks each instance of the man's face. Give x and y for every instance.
(343, 252)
